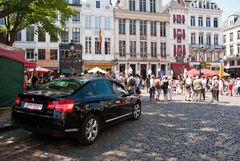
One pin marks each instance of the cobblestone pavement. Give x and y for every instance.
(166, 131)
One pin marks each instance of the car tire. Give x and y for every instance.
(136, 111)
(89, 130)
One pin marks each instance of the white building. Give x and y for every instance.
(177, 39)
(231, 42)
(97, 16)
(205, 33)
(140, 37)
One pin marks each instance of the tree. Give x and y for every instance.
(20, 14)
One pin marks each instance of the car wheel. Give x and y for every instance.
(136, 112)
(89, 130)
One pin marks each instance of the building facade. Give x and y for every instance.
(231, 41)
(204, 33)
(177, 40)
(97, 34)
(140, 37)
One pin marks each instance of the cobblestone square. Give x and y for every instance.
(175, 130)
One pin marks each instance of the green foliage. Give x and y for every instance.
(20, 14)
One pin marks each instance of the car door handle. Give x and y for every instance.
(118, 102)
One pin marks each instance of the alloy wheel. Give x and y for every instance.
(91, 129)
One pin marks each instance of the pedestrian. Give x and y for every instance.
(230, 87)
(152, 88)
(214, 89)
(138, 84)
(188, 84)
(121, 78)
(131, 82)
(204, 87)
(148, 82)
(197, 88)
(158, 87)
(165, 88)
(170, 87)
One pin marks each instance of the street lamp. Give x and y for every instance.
(200, 65)
(72, 46)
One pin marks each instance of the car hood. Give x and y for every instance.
(48, 93)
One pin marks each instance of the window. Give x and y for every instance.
(200, 21)
(19, 36)
(97, 22)
(2, 21)
(153, 6)
(142, 7)
(102, 87)
(143, 48)
(232, 63)
(193, 38)
(143, 27)
(76, 35)
(238, 35)
(54, 38)
(88, 45)
(153, 28)
(98, 4)
(200, 38)
(118, 89)
(77, 2)
(132, 48)
(132, 5)
(163, 29)
(65, 36)
(53, 54)
(122, 48)
(208, 22)
(238, 62)
(107, 23)
(209, 56)
(215, 22)
(153, 49)
(192, 21)
(41, 35)
(224, 38)
(30, 54)
(88, 22)
(107, 46)
(41, 54)
(30, 34)
(208, 39)
(231, 50)
(132, 27)
(231, 36)
(163, 49)
(98, 46)
(121, 26)
(200, 5)
(76, 17)
(87, 91)
(238, 47)
(215, 39)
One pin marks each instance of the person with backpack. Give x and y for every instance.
(165, 84)
(157, 82)
(131, 82)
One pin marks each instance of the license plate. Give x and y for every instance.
(33, 106)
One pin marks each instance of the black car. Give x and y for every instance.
(75, 107)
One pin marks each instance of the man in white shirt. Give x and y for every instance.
(204, 85)
(188, 84)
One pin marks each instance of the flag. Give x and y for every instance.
(100, 36)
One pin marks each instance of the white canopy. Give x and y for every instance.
(94, 70)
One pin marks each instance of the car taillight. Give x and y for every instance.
(61, 105)
(17, 101)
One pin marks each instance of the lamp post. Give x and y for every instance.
(200, 64)
(72, 46)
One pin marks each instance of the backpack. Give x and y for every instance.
(132, 82)
(158, 85)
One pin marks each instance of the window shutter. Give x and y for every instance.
(174, 50)
(174, 18)
(183, 18)
(174, 33)
(184, 34)
(179, 49)
(184, 50)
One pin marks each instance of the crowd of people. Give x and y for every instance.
(193, 87)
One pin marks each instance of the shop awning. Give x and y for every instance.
(177, 68)
(11, 53)
(29, 64)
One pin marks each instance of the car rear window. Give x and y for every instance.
(69, 85)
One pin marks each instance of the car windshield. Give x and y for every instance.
(69, 85)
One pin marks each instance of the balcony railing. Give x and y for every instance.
(206, 47)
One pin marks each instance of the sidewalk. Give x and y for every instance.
(5, 119)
